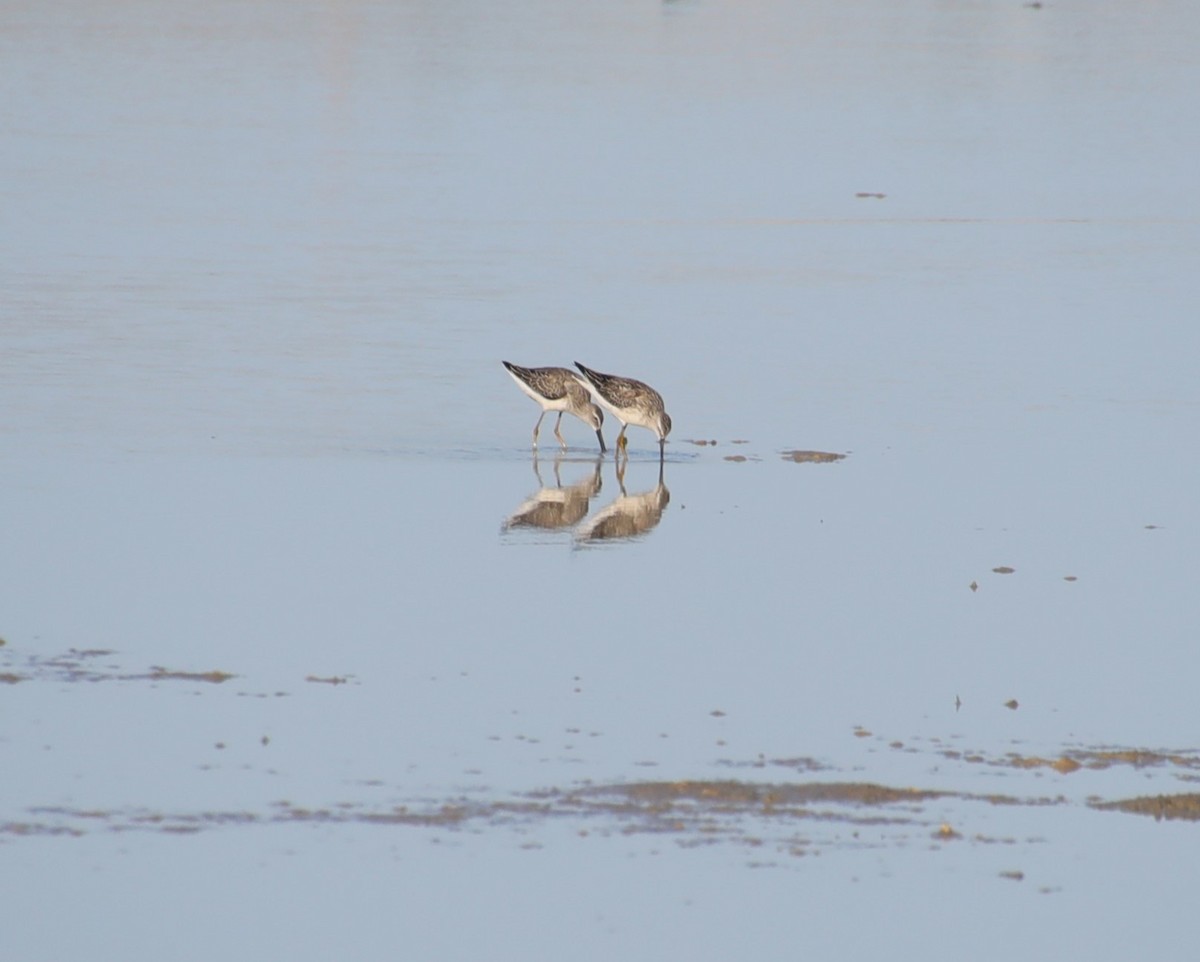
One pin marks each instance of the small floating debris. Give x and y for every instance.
(331, 680)
(1012, 704)
(974, 586)
(1004, 570)
(79, 665)
(214, 677)
(812, 457)
(700, 442)
(1069, 578)
(946, 831)
(874, 195)
(1015, 874)
(736, 457)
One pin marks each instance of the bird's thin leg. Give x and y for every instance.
(558, 433)
(622, 444)
(537, 427)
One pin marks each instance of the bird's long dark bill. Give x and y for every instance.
(600, 438)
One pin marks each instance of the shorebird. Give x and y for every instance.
(631, 402)
(558, 389)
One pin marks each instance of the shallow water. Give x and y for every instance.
(303, 648)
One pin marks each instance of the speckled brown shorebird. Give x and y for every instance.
(558, 389)
(630, 402)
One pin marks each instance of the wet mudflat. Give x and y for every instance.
(772, 808)
(406, 685)
(306, 653)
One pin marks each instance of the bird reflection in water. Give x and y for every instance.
(556, 507)
(630, 515)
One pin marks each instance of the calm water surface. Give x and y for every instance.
(304, 652)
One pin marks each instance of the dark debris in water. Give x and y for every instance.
(87, 665)
(788, 817)
(812, 457)
(1186, 806)
(793, 818)
(798, 764)
(1073, 760)
(739, 794)
(728, 810)
(158, 673)
(790, 813)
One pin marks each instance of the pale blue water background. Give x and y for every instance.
(260, 263)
